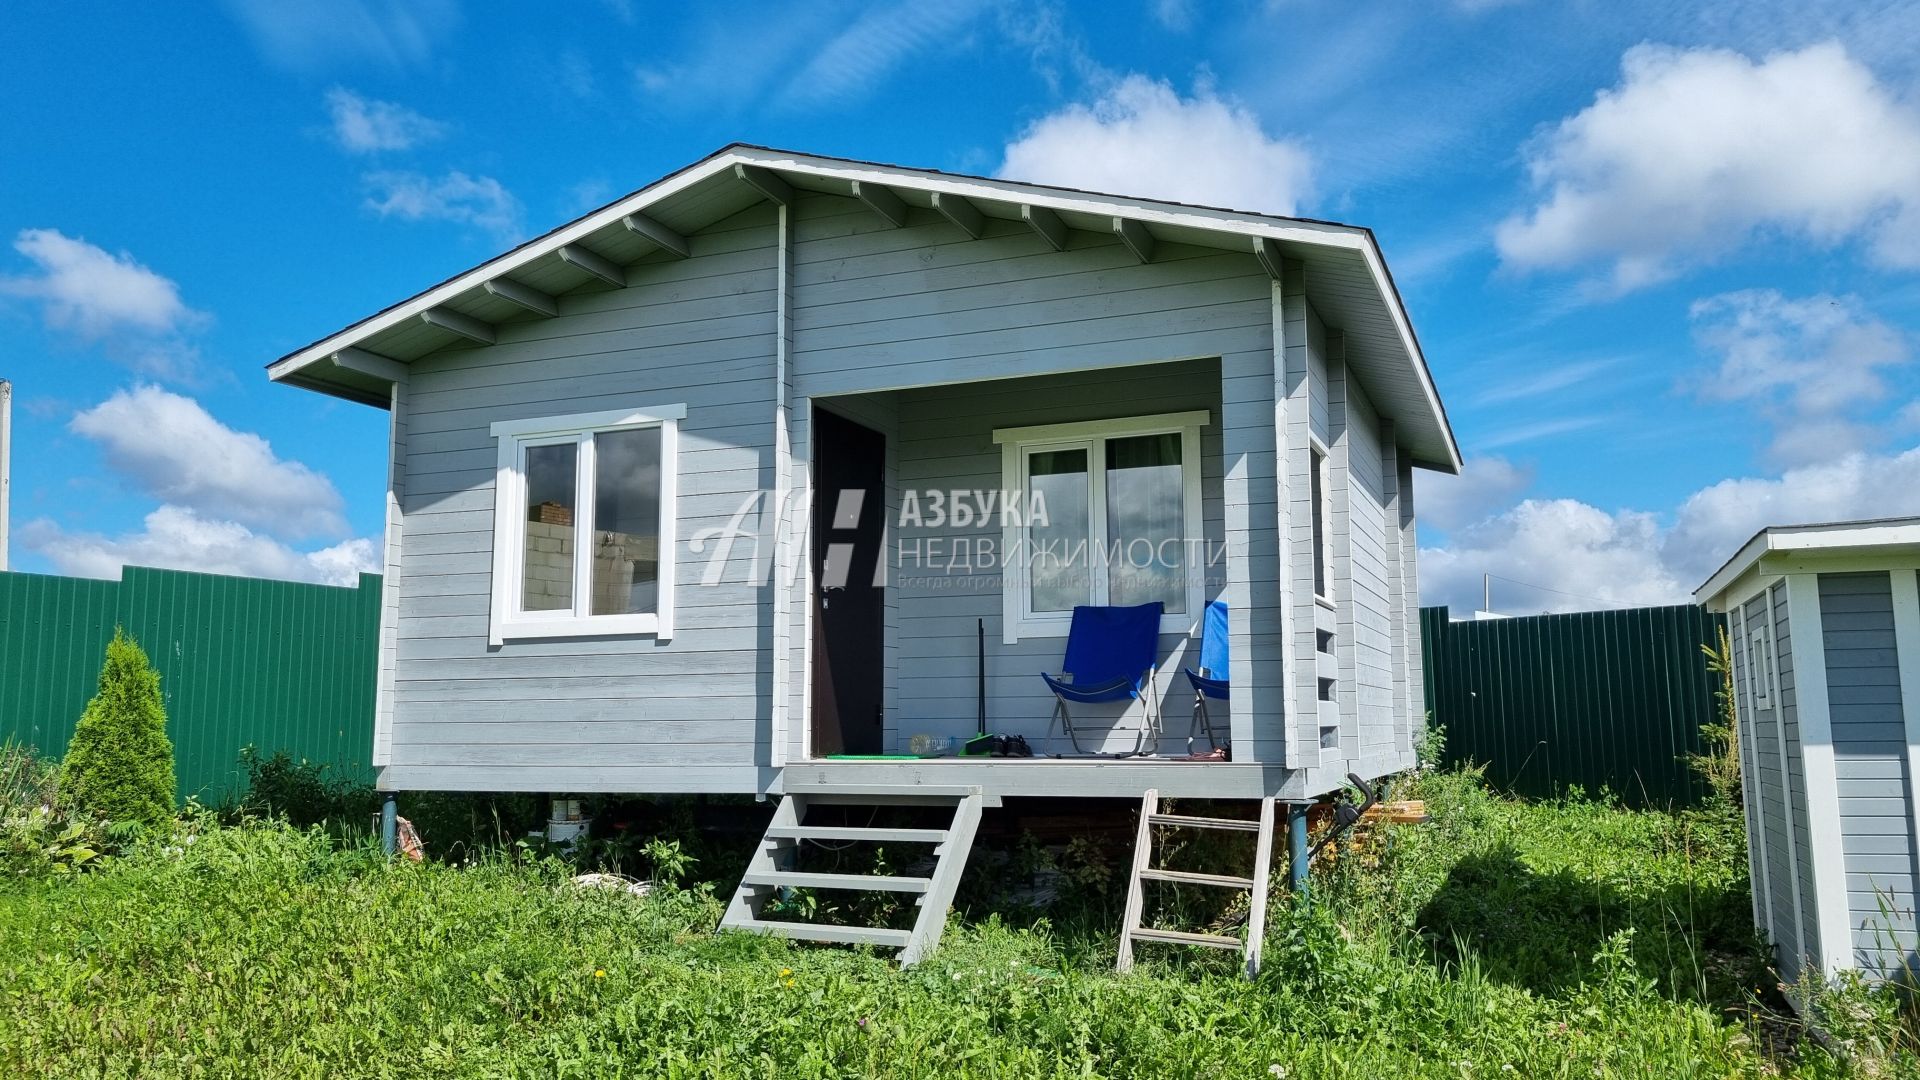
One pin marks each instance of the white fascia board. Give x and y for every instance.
(1879, 540)
(503, 264)
(1712, 592)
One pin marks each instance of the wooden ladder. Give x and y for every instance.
(1144, 870)
(768, 869)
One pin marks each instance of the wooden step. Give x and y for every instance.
(1181, 937)
(795, 879)
(853, 832)
(1187, 878)
(839, 935)
(1183, 821)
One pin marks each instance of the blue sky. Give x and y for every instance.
(1665, 264)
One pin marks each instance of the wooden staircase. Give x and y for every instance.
(1144, 870)
(770, 868)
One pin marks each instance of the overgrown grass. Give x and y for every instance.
(1548, 940)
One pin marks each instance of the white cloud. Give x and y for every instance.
(479, 201)
(1487, 483)
(1573, 556)
(1143, 138)
(176, 538)
(873, 45)
(1176, 15)
(1698, 150)
(362, 125)
(170, 448)
(104, 298)
(1717, 519)
(1811, 365)
(311, 36)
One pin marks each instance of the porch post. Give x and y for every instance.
(1297, 848)
(389, 823)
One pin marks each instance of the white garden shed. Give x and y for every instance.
(1825, 624)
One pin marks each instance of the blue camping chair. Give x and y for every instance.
(1111, 654)
(1211, 680)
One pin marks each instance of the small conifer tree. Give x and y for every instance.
(120, 761)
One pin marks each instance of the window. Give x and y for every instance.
(583, 525)
(1106, 512)
(1760, 666)
(1317, 485)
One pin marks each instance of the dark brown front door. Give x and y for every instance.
(849, 527)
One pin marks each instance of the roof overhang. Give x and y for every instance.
(1838, 545)
(1347, 278)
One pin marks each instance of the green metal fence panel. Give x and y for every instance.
(1597, 700)
(273, 664)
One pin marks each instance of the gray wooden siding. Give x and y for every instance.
(1304, 386)
(1412, 718)
(1365, 585)
(947, 445)
(904, 328)
(1809, 928)
(923, 306)
(698, 331)
(1785, 905)
(1870, 758)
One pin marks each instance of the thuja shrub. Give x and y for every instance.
(120, 762)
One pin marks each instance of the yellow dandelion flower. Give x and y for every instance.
(785, 972)
(599, 973)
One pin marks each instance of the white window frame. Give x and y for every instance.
(508, 621)
(1320, 462)
(1018, 619)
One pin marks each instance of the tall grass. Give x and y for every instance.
(1504, 939)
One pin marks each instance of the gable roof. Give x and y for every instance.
(1866, 537)
(1347, 278)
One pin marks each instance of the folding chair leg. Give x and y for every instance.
(1065, 720)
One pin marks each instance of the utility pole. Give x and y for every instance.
(6, 462)
(1486, 593)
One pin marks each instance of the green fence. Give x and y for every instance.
(1601, 699)
(275, 664)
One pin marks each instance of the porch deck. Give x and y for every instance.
(1061, 777)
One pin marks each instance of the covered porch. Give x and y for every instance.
(954, 527)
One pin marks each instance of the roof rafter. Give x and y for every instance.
(593, 263)
(372, 365)
(666, 239)
(883, 201)
(1136, 237)
(959, 210)
(1268, 252)
(465, 325)
(1046, 224)
(524, 295)
(765, 181)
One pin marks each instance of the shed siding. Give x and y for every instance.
(1869, 745)
(1783, 903)
(698, 331)
(1809, 928)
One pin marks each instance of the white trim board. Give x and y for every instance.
(1828, 847)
